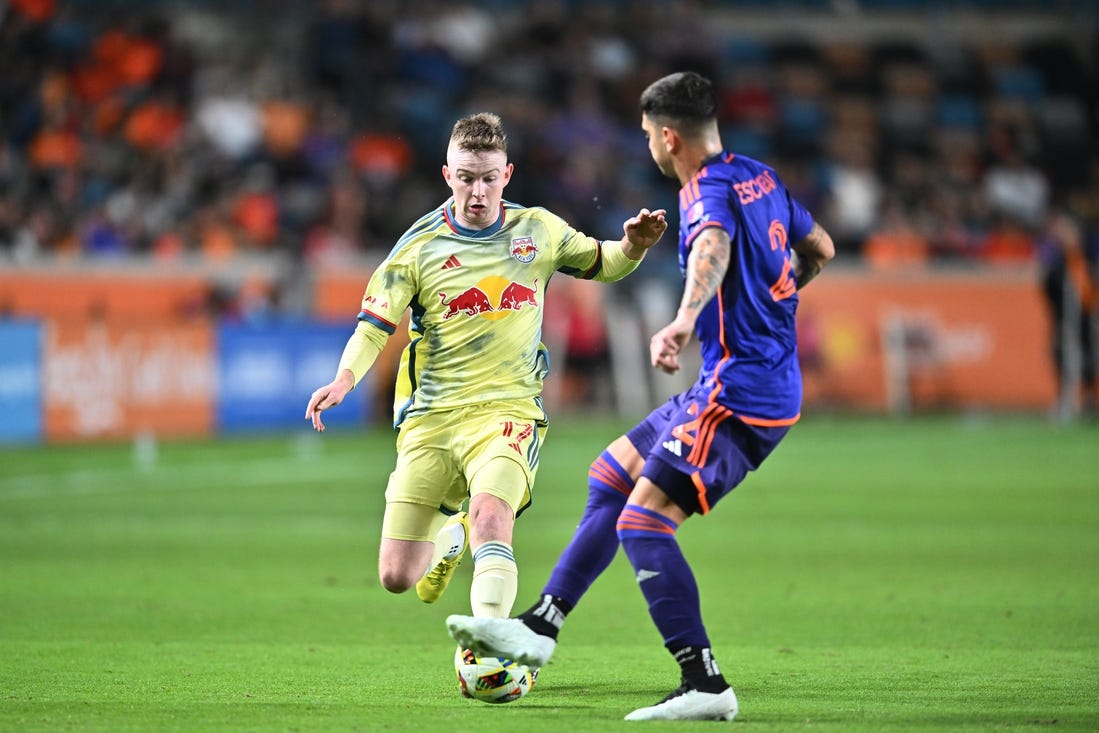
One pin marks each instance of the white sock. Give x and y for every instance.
(495, 580)
(450, 541)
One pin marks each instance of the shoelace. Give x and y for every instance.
(683, 689)
(439, 572)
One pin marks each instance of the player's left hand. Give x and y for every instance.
(645, 229)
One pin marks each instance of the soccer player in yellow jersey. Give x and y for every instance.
(468, 400)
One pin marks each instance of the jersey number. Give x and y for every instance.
(785, 286)
(519, 432)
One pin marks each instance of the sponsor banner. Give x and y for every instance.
(20, 382)
(927, 339)
(104, 379)
(266, 374)
(108, 295)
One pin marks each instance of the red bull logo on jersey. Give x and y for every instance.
(523, 249)
(516, 295)
(472, 302)
(493, 298)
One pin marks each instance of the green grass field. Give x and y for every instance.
(935, 574)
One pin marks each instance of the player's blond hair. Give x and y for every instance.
(482, 132)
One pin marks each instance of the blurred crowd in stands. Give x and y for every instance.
(315, 131)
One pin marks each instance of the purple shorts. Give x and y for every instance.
(698, 451)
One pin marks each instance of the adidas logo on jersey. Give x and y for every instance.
(451, 262)
(674, 446)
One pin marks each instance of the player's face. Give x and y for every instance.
(477, 180)
(657, 147)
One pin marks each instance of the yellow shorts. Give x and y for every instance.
(443, 458)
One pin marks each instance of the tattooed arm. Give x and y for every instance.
(811, 254)
(705, 270)
(706, 267)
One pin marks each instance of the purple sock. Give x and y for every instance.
(666, 580)
(594, 544)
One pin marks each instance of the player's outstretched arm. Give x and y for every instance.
(810, 255)
(642, 232)
(623, 256)
(359, 354)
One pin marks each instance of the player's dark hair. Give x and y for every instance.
(684, 99)
(480, 133)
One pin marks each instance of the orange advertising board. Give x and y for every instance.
(338, 294)
(102, 294)
(104, 379)
(116, 363)
(926, 339)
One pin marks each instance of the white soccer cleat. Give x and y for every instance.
(509, 638)
(687, 703)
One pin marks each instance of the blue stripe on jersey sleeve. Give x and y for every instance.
(381, 323)
(425, 222)
(591, 272)
(595, 268)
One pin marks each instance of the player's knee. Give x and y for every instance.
(609, 482)
(490, 519)
(396, 579)
(395, 582)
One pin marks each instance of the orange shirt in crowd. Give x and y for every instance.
(154, 125)
(133, 60)
(37, 10)
(216, 240)
(257, 214)
(1008, 245)
(56, 149)
(285, 125)
(384, 155)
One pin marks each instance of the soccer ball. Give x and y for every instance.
(489, 679)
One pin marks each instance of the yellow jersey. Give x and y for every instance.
(476, 300)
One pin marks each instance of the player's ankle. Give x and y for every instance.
(711, 684)
(546, 617)
(699, 669)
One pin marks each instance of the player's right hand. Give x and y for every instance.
(643, 231)
(665, 345)
(327, 396)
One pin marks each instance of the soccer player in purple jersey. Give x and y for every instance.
(745, 248)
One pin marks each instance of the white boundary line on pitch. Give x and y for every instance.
(168, 477)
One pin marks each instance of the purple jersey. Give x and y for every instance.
(747, 331)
